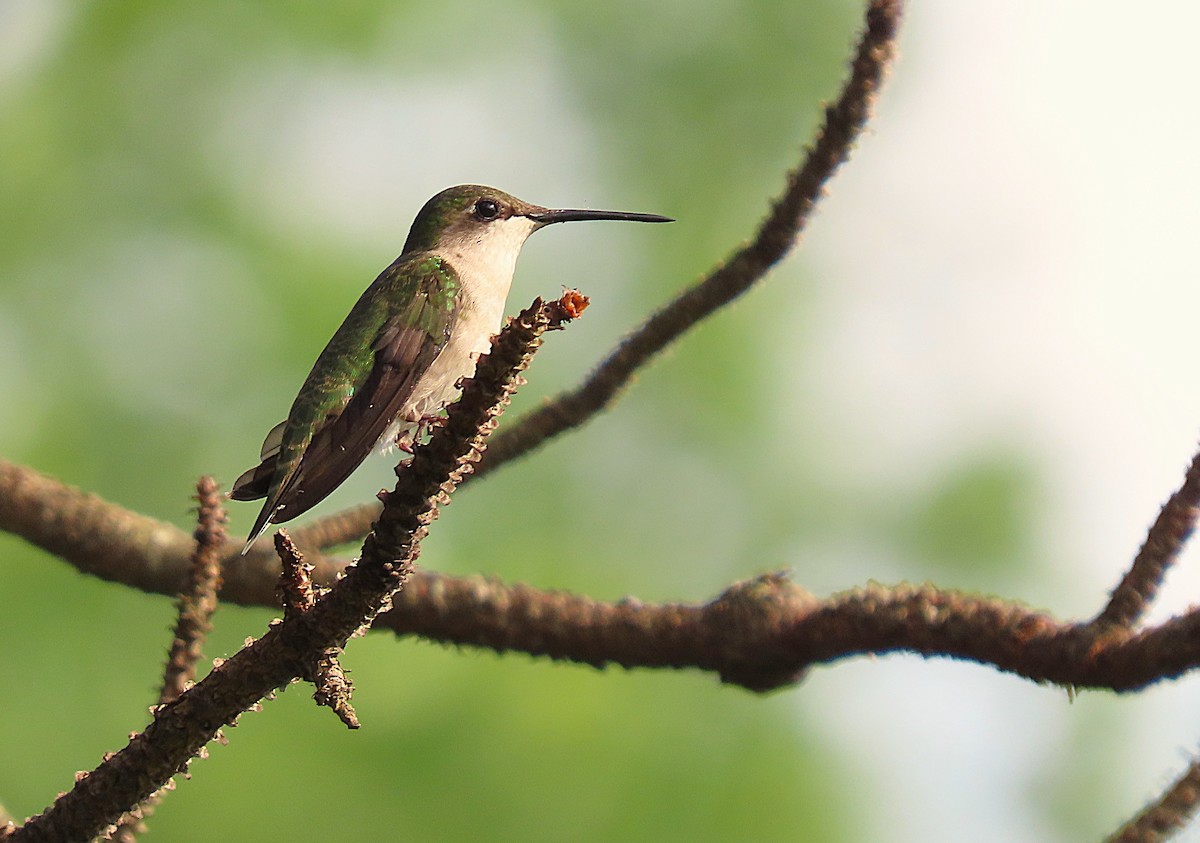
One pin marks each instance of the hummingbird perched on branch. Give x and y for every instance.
(399, 355)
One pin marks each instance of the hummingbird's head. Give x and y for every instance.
(471, 217)
(474, 218)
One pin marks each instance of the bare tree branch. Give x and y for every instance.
(1171, 530)
(1168, 814)
(766, 632)
(477, 611)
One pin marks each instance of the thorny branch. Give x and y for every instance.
(182, 727)
(761, 634)
(298, 595)
(1167, 814)
(1166, 539)
(197, 603)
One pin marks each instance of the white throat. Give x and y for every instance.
(486, 259)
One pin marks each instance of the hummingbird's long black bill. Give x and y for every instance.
(548, 217)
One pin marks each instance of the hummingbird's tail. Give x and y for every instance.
(260, 526)
(254, 485)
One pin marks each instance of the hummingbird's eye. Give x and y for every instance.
(487, 209)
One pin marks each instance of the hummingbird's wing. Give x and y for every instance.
(357, 388)
(403, 353)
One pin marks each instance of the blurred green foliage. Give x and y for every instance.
(195, 193)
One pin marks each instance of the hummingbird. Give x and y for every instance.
(400, 354)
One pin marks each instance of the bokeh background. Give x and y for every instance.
(979, 371)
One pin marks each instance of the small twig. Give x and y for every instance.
(1166, 815)
(196, 606)
(333, 688)
(181, 728)
(298, 595)
(296, 591)
(1166, 538)
(198, 601)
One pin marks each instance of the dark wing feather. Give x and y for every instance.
(255, 483)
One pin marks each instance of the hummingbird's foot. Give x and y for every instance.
(406, 440)
(426, 424)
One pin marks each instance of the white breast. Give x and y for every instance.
(485, 266)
